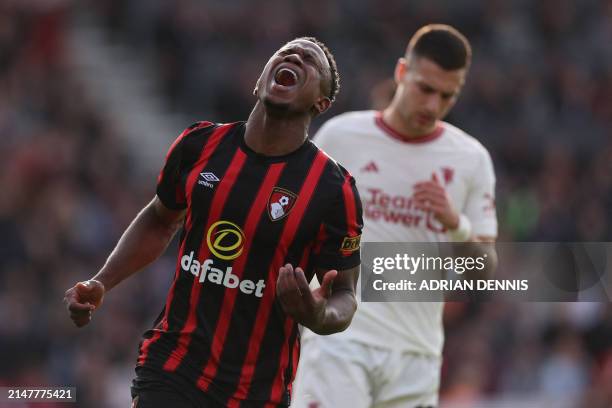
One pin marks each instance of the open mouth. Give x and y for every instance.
(286, 77)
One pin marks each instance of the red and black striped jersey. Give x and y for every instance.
(222, 333)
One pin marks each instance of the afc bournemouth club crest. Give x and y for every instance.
(281, 201)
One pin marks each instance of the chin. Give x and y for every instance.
(279, 108)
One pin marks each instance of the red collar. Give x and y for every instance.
(436, 133)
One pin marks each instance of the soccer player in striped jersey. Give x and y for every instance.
(261, 209)
(421, 180)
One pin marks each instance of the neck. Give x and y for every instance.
(393, 119)
(275, 135)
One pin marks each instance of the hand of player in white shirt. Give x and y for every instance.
(431, 196)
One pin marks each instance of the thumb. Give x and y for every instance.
(85, 286)
(91, 291)
(434, 178)
(328, 281)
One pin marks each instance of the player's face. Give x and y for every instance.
(296, 79)
(425, 93)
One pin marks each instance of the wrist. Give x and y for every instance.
(463, 230)
(454, 223)
(317, 321)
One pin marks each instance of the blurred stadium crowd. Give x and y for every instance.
(539, 97)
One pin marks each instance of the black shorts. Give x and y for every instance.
(160, 399)
(150, 390)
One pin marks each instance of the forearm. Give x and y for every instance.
(143, 242)
(338, 313)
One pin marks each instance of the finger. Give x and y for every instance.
(281, 282)
(424, 199)
(81, 320)
(421, 185)
(437, 211)
(80, 315)
(80, 307)
(302, 283)
(286, 284)
(84, 286)
(429, 187)
(434, 196)
(328, 281)
(430, 204)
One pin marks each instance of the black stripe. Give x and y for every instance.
(201, 202)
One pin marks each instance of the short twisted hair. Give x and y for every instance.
(334, 86)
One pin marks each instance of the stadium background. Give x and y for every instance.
(79, 155)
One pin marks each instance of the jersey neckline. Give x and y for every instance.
(269, 159)
(435, 134)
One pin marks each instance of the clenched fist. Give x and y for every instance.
(82, 299)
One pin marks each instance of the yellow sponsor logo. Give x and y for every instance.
(350, 244)
(225, 240)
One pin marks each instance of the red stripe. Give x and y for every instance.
(351, 210)
(265, 306)
(350, 206)
(206, 153)
(185, 132)
(258, 207)
(296, 358)
(144, 350)
(218, 202)
(305, 256)
(321, 237)
(279, 380)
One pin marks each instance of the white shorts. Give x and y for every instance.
(336, 373)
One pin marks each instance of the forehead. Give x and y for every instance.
(427, 71)
(307, 46)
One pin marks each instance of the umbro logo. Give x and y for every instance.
(207, 179)
(371, 167)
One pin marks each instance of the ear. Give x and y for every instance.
(400, 69)
(322, 104)
(256, 89)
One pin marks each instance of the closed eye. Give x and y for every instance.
(426, 89)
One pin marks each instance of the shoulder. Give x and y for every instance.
(335, 176)
(350, 120)
(463, 141)
(345, 127)
(197, 134)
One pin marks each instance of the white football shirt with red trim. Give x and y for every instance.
(386, 167)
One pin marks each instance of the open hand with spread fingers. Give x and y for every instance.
(298, 301)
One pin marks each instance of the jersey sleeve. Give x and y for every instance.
(480, 202)
(170, 182)
(338, 243)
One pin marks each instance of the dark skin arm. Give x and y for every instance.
(327, 309)
(146, 238)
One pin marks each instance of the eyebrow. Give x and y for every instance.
(444, 94)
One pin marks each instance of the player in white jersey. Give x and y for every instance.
(421, 180)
